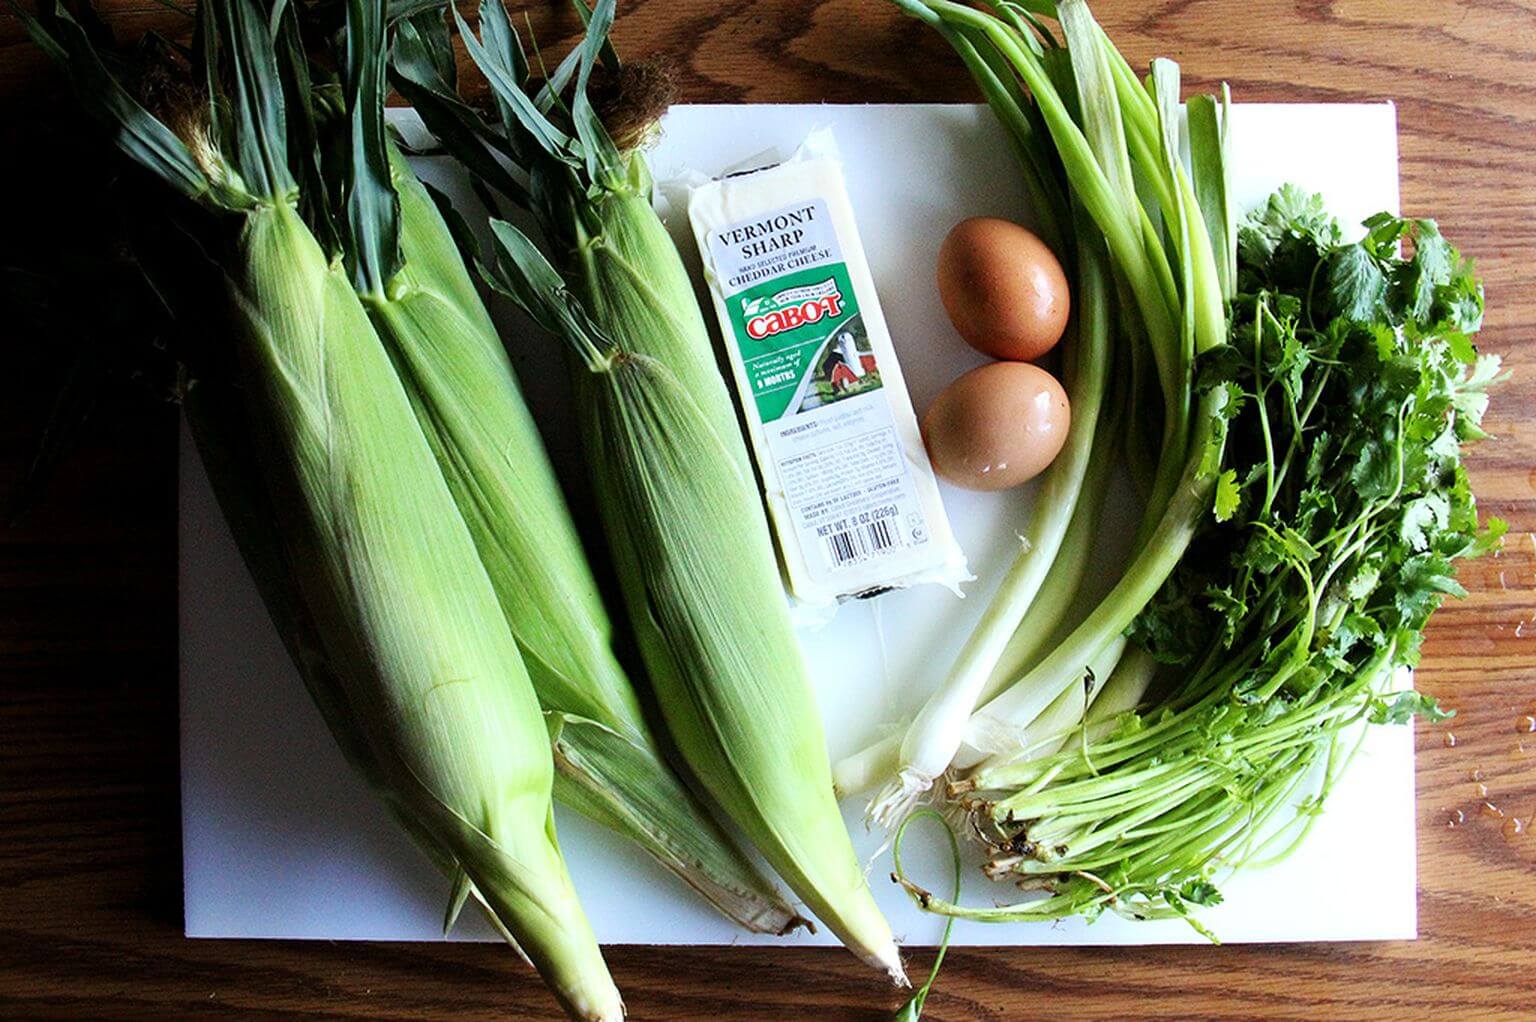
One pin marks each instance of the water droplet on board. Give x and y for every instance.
(1513, 827)
(1482, 791)
(1492, 811)
(1450, 740)
(1475, 775)
(1456, 819)
(1520, 626)
(1526, 725)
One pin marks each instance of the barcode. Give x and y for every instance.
(853, 545)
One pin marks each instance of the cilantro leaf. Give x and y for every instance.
(1201, 892)
(1339, 513)
(1228, 495)
(1423, 517)
(1357, 286)
(1407, 705)
(1420, 278)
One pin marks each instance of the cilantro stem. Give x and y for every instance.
(913, 1008)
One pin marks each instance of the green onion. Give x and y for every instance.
(1079, 107)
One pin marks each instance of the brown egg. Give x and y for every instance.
(997, 426)
(1003, 289)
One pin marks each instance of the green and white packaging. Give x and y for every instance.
(847, 482)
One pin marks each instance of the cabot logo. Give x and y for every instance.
(792, 308)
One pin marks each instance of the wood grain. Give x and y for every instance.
(89, 846)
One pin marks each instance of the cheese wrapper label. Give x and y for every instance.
(849, 489)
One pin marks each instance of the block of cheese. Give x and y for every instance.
(848, 486)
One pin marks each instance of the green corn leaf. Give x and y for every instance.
(486, 442)
(463, 237)
(605, 166)
(380, 589)
(458, 894)
(684, 519)
(607, 54)
(382, 523)
(206, 43)
(523, 274)
(414, 53)
(506, 85)
(501, 38)
(255, 99)
(373, 209)
(549, 94)
(459, 127)
(315, 198)
(623, 782)
(402, 10)
(144, 138)
(432, 46)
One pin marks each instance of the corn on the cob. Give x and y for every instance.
(702, 585)
(460, 382)
(429, 670)
(675, 492)
(417, 673)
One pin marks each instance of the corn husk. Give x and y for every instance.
(702, 586)
(608, 765)
(429, 671)
(683, 519)
(402, 638)
(690, 540)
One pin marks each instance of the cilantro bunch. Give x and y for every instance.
(1343, 502)
(1351, 384)
(1343, 496)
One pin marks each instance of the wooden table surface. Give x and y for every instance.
(89, 846)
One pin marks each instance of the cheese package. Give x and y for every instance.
(848, 485)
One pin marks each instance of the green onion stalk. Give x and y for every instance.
(1118, 141)
(1139, 821)
(1057, 609)
(1099, 152)
(1042, 580)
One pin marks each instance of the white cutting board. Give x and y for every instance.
(280, 840)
